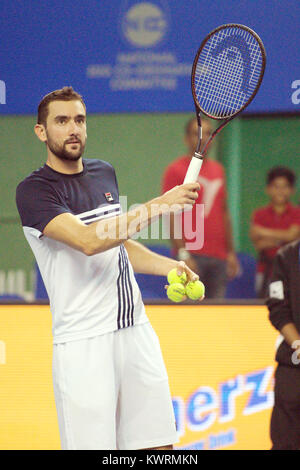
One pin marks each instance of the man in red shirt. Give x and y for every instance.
(205, 242)
(274, 225)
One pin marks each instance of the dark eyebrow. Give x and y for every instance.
(60, 116)
(57, 118)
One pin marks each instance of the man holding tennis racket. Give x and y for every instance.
(110, 383)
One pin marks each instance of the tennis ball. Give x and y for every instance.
(195, 290)
(176, 292)
(174, 278)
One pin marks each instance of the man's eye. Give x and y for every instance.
(62, 121)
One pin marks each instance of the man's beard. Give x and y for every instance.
(60, 151)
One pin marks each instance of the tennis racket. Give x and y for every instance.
(226, 75)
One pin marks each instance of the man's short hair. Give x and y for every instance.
(64, 94)
(281, 172)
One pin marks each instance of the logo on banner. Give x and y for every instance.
(143, 66)
(144, 25)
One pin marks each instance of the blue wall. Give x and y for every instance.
(102, 46)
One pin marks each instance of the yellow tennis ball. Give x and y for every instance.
(176, 292)
(174, 278)
(195, 290)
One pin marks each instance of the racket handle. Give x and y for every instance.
(194, 169)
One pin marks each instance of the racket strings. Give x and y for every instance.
(228, 71)
(230, 80)
(224, 74)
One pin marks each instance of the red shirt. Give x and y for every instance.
(212, 195)
(268, 218)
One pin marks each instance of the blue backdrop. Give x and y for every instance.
(130, 55)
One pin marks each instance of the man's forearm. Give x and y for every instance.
(146, 261)
(287, 235)
(107, 234)
(290, 333)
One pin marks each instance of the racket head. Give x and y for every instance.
(227, 71)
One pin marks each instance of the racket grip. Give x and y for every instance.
(193, 169)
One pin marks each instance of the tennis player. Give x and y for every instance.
(110, 383)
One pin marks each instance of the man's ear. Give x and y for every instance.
(40, 132)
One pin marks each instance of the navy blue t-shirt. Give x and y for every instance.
(89, 295)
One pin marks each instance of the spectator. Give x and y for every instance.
(216, 260)
(274, 225)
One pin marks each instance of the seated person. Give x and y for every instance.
(274, 225)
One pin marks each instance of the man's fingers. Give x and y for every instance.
(181, 267)
(192, 195)
(192, 186)
(191, 275)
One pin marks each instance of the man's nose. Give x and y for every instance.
(73, 127)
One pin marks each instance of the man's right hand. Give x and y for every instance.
(179, 196)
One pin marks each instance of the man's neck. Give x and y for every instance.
(68, 167)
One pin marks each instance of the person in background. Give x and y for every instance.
(284, 307)
(274, 225)
(216, 261)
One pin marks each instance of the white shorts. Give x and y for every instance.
(112, 392)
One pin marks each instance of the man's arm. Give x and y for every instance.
(108, 233)
(146, 261)
(290, 333)
(278, 302)
(258, 232)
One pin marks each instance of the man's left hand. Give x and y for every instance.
(191, 275)
(182, 267)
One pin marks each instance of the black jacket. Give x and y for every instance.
(284, 296)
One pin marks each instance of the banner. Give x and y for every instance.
(135, 55)
(219, 361)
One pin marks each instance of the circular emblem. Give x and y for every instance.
(144, 25)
